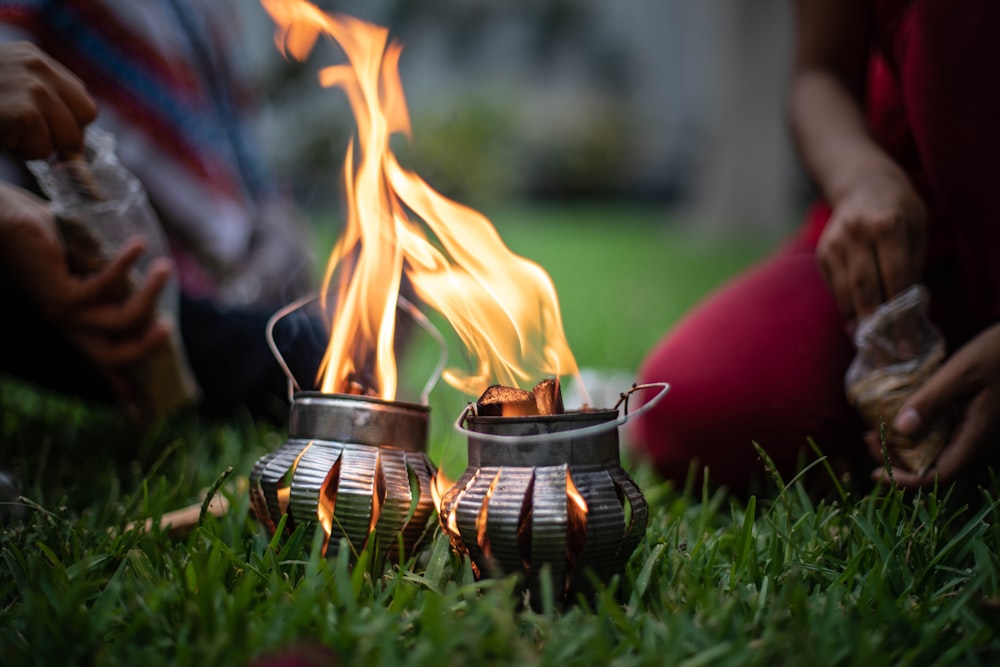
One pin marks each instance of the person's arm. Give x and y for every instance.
(873, 245)
(44, 107)
(112, 332)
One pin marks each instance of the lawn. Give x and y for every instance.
(852, 577)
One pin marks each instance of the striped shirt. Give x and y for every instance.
(166, 76)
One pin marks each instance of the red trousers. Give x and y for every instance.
(761, 360)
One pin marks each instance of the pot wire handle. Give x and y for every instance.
(404, 304)
(625, 395)
(470, 410)
(429, 327)
(278, 315)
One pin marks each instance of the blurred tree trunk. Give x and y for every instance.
(748, 180)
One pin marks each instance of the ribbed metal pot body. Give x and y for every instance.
(354, 466)
(546, 494)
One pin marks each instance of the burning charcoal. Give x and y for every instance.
(548, 397)
(501, 401)
(355, 388)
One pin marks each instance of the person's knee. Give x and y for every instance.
(679, 432)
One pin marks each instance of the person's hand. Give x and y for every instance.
(873, 246)
(44, 107)
(967, 384)
(114, 333)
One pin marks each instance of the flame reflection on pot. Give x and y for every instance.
(355, 467)
(546, 493)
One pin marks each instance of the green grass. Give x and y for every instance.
(854, 577)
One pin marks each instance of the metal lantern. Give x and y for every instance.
(547, 494)
(353, 466)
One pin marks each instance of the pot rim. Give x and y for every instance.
(358, 398)
(586, 431)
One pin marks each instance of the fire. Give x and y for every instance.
(439, 486)
(576, 529)
(446, 496)
(327, 503)
(544, 509)
(503, 307)
(285, 491)
(576, 499)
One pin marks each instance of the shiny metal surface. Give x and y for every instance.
(351, 465)
(359, 419)
(513, 509)
(562, 444)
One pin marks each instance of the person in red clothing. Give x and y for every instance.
(895, 108)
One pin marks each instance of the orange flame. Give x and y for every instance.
(576, 528)
(285, 490)
(576, 498)
(440, 484)
(502, 306)
(327, 503)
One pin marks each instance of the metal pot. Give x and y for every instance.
(353, 466)
(547, 494)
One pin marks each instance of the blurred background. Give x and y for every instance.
(637, 150)
(677, 105)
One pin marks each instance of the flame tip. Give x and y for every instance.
(502, 306)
